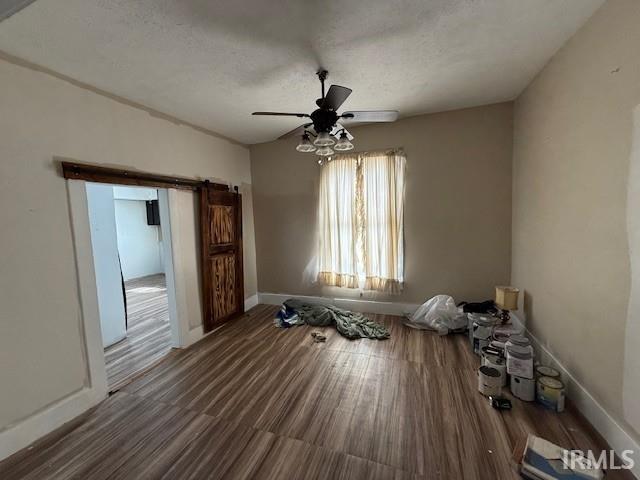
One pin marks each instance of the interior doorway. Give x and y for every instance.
(131, 245)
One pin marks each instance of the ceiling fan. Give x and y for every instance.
(327, 123)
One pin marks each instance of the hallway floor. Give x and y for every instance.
(148, 334)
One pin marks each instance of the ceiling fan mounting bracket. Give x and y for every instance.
(324, 120)
(322, 74)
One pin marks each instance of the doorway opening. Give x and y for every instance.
(131, 243)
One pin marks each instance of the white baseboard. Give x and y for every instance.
(251, 302)
(27, 431)
(615, 435)
(197, 333)
(364, 306)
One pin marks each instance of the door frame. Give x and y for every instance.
(93, 350)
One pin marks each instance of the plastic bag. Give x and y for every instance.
(439, 313)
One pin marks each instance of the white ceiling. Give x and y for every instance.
(212, 63)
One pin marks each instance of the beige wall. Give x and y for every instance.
(573, 130)
(41, 351)
(457, 207)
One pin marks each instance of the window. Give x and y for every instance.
(361, 221)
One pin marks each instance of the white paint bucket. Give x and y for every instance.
(489, 381)
(493, 360)
(519, 360)
(523, 388)
(550, 393)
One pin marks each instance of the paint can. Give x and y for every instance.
(492, 359)
(550, 393)
(489, 381)
(544, 371)
(481, 330)
(519, 360)
(523, 388)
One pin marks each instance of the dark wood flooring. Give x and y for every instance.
(148, 333)
(255, 401)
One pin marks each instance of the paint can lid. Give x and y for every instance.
(489, 371)
(483, 319)
(494, 359)
(517, 351)
(550, 382)
(519, 340)
(545, 371)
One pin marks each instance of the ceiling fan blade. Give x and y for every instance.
(296, 131)
(282, 114)
(339, 127)
(370, 116)
(336, 97)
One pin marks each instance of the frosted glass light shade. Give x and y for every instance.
(324, 151)
(343, 143)
(305, 145)
(323, 140)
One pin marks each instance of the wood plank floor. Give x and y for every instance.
(255, 401)
(148, 333)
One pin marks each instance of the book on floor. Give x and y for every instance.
(543, 460)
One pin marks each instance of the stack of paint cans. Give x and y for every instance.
(550, 391)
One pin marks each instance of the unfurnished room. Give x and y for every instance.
(320, 239)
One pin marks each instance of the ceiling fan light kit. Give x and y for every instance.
(324, 125)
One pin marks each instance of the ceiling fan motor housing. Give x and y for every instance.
(324, 120)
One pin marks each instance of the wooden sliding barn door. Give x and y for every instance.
(221, 232)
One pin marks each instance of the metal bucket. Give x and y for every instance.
(550, 393)
(489, 381)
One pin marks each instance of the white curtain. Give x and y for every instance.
(337, 263)
(362, 221)
(383, 223)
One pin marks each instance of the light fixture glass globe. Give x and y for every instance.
(343, 144)
(324, 151)
(323, 140)
(305, 145)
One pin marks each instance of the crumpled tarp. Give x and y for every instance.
(349, 324)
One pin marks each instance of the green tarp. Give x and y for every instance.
(349, 324)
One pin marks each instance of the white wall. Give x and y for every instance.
(575, 215)
(134, 193)
(631, 374)
(102, 222)
(43, 361)
(138, 243)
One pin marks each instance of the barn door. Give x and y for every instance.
(221, 232)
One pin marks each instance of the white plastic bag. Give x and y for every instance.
(439, 313)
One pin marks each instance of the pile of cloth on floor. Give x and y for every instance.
(351, 325)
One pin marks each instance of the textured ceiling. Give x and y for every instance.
(212, 63)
